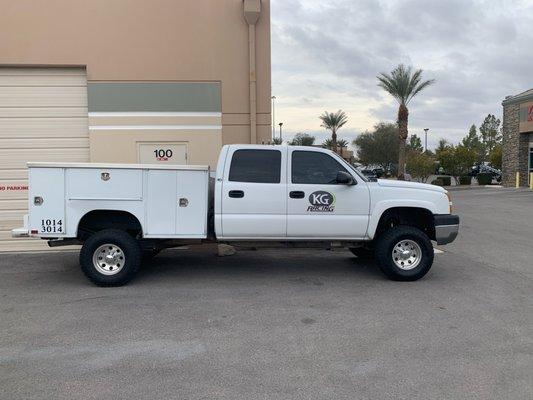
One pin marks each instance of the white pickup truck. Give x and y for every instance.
(260, 196)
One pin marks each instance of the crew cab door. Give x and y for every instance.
(253, 195)
(318, 206)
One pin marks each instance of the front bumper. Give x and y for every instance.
(446, 228)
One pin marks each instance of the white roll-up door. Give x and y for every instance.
(43, 117)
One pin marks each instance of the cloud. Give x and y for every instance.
(326, 55)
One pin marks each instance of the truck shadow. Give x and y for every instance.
(296, 265)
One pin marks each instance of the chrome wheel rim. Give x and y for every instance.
(406, 254)
(109, 259)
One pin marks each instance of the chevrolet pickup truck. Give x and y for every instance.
(260, 196)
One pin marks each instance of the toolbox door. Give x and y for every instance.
(47, 202)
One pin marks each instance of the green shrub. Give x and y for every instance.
(438, 182)
(465, 180)
(484, 178)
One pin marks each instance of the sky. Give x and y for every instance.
(326, 55)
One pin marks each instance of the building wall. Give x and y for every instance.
(174, 117)
(515, 147)
(143, 41)
(112, 81)
(517, 135)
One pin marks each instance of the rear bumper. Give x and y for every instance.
(21, 232)
(446, 228)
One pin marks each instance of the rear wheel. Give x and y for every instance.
(404, 253)
(110, 257)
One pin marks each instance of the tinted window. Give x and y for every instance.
(261, 166)
(314, 168)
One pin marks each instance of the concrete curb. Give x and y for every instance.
(476, 187)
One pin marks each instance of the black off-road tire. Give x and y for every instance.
(386, 243)
(131, 253)
(363, 252)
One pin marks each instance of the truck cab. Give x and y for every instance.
(288, 193)
(310, 193)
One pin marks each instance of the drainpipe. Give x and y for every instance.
(252, 9)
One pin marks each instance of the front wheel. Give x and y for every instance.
(110, 257)
(404, 253)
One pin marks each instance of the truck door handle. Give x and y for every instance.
(297, 194)
(238, 194)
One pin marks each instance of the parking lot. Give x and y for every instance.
(299, 324)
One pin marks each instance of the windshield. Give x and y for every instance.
(344, 162)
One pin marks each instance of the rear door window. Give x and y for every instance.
(258, 166)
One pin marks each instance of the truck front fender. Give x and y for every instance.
(384, 205)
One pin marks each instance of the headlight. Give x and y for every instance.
(449, 201)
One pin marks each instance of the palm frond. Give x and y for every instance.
(333, 121)
(402, 83)
(420, 87)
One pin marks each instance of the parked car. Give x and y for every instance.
(373, 172)
(486, 169)
(268, 195)
(369, 174)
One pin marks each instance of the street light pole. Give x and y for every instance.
(273, 116)
(426, 132)
(280, 135)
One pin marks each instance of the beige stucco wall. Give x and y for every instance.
(202, 137)
(202, 147)
(156, 40)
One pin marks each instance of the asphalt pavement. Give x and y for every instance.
(299, 324)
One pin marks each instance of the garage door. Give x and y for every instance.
(43, 117)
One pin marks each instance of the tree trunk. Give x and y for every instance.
(334, 140)
(401, 160)
(403, 116)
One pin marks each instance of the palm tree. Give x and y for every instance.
(328, 143)
(403, 84)
(333, 122)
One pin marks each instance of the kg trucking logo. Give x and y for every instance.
(321, 201)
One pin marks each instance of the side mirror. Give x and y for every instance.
(344, 178)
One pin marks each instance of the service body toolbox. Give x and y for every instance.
(168, 201)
